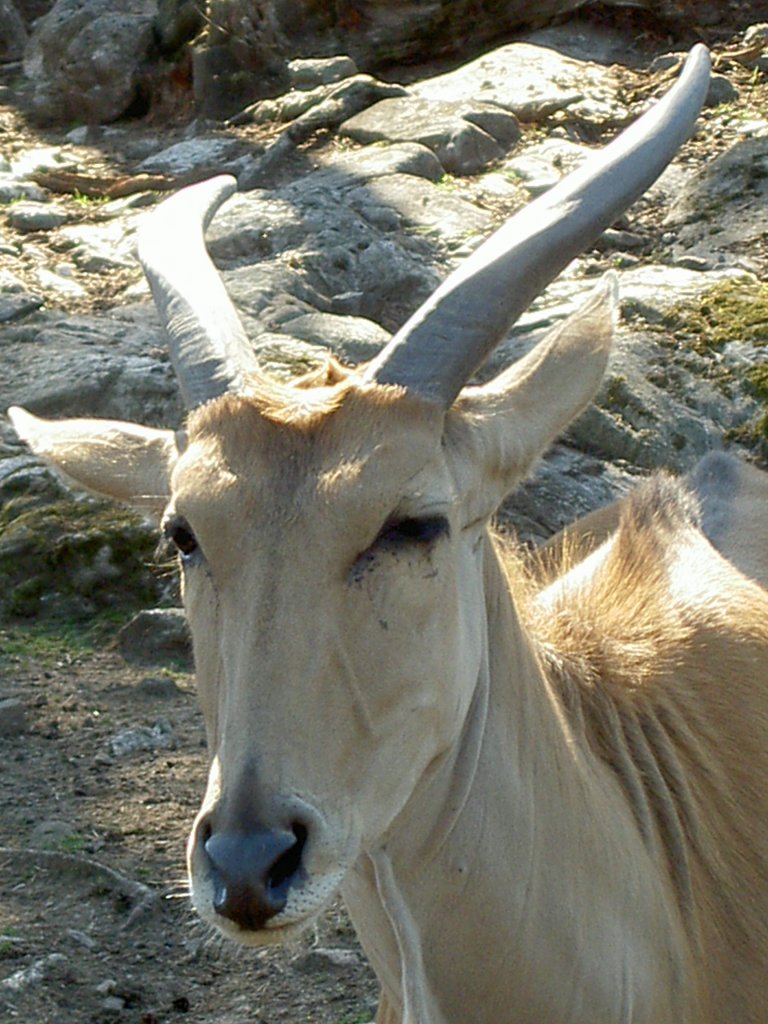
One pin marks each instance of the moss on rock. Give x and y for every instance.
(735, 310)
(74, 558)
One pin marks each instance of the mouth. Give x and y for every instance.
(306, 902)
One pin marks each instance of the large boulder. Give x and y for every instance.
(13, 33)
(84, 58)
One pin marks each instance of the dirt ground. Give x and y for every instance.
(94, 924)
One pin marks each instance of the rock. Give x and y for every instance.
(16, 306)
(71, 558)
(113, 1006)
(320, 961)
(40, 158)
(84, 58)
(82, 938)
(566, 484)
(306, 73)
(101, 247)
(198, 156)
(159, 736)
(721, 90)
(177, 22)
(542, 166)
(60, 282)
(31, 216)
(585, 39)
(354, 339)
(162, 687)
(156, 635)
(100, 366)
(13, 33)
(465, 137)
(533, 82)
(13, 717)
(12, 189)
(35, 974)
(420, 204)
(374, 161)
(324, 106)
(51, 833)
(243, 47)
(723, 210)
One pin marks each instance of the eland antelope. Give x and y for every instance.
(541, 807)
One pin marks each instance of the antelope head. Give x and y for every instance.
(332, 534)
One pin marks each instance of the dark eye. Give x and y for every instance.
(413, 530)
(178, 531)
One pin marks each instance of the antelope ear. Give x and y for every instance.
(521, 412)
(119, 460)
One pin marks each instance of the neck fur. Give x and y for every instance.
(518, 847)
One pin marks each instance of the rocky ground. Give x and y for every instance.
(351, 212)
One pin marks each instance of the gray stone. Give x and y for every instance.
(566, 484)
(374, 161)
(585, 40)
(81, 938)
(83, 58)
(533, 82)
(13, 717)
(721, 90)
(321, 961)
(30, 216)
(107, 245)
(50, 833)
(13, 33)
(421, 205)
(12, 189)
(34, 974)
(723, 210)
(113, 367)
(307, 73)
(354, 339)
(15, 306)
(177, 22)
(41, 158)
(155, 687)
(214, 155)
(465, 137)
(284, 357)
(60, 282)
(155, 636)
(541, 166)
(159, 736)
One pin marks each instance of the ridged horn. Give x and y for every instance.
(207, 343)
(449, 337)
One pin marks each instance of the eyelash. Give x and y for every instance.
(179, 533)
(411, 530)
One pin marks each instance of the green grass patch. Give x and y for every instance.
(50, 642)
(734, 310)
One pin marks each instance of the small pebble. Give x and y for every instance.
(13, 717)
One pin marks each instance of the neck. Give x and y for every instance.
(516, 885)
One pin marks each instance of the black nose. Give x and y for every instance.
(253, 872)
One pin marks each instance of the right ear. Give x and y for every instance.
(124, 461)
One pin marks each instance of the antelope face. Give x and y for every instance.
(331, 583)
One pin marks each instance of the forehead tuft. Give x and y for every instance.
(309, 412)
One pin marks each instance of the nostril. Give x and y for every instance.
(251, 873)
(287, 867)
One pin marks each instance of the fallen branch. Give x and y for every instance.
(142, 898)
(102, 186)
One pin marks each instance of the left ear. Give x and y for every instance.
(120, 460)
(519, 414)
